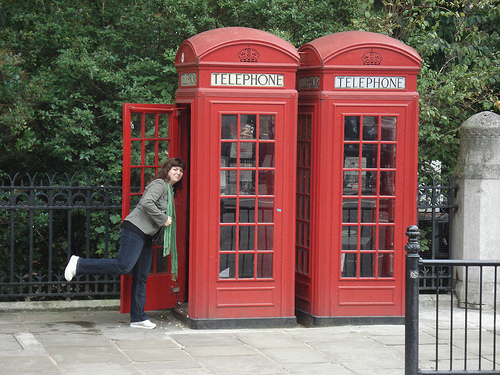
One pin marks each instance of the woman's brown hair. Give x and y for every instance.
(163, 171)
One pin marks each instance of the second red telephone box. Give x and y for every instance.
(357, 176)
(239, 84)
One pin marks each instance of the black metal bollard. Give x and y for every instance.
(411, 316)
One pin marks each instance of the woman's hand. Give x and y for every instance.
(169, 221)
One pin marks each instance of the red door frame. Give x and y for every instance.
(162, 291)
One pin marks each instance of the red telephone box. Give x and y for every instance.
(357, 176)
(240, 86)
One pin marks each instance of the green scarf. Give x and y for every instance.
(169, 239)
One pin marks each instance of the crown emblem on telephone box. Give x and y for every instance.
(249, 55)
(371, 58)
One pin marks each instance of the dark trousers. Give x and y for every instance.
(135, 255)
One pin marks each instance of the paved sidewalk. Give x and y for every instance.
(101, 342)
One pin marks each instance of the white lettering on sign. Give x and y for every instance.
(248, 79)
(379, 83)
(308, 83)
(188, 79)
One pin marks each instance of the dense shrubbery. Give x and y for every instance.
(66, 67)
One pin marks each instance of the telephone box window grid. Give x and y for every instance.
(247, 173)
(368, 201)
(303, 194)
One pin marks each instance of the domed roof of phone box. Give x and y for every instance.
(223, 44)
(342, 49)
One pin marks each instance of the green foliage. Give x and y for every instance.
(460, 46)
(66, 67)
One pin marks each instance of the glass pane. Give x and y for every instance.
(265, 238)
(351, 128)
(227, 266)
(386, 210)
(369, 156)
(387, 156)
(149, 173)
(349, 238)
(136, 125)
(245, 266)
(367, 265)
(386, 265)
(299, 233)
(229, 150)
(247, 154)
(266, 127)
(299, 267)
(298, 211)
(228, 210)
(247, 182)
(162, 152)
(306, 234)
(135, 180)
(163, 120)
(247, 237)
(264, 265)
(266, 182)
(161, 261)
(388, 128)
(136, 153)
(150, 153)
(387, 183)
(367, 240)
(351, 156)
(351, 182)
(247, 210)
(307, 181)
(229, 127)
(368, 210)
(348, 264)
(247, 126)
(266, 155)
(369, 183)
(350, 211)
(150, 125)
(265, 210)
(386, 238)
(228, 238)
(228, 182)
(370, 128)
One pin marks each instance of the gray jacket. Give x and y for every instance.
(149, 214)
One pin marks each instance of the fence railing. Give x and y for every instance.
(43, 220)
(466, 337)
(435, 206)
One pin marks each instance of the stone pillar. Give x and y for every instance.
(476, 223)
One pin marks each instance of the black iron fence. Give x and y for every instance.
(43, 220)
(465, 337)
(435, 206)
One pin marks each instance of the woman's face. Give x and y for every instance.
(174, 175)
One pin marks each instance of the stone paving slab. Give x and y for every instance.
(101, 342)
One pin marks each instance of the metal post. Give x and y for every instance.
(411, 317)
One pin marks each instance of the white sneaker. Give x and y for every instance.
(146, 324)
(70, 270)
